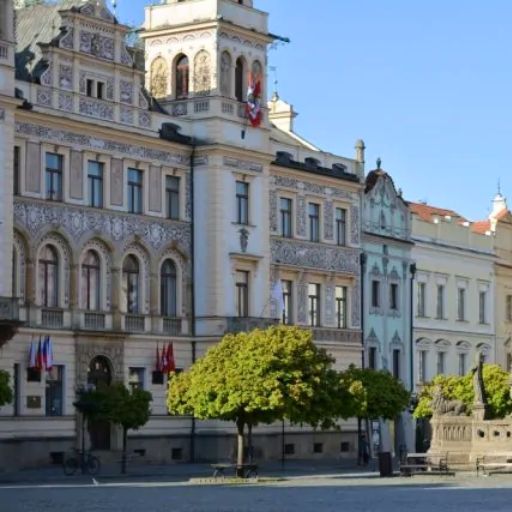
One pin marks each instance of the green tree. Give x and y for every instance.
(496, 384)
(6, 395)
(130, 409)
(376, 394)
(261, 377)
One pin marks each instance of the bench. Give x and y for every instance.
(490, 464)
(424, 463)
(247, 470)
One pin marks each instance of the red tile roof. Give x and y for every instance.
(426, 212)
(481, 227)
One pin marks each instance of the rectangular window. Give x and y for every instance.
(509, 362)
(95, 179)
(90, 88)
(16, 171)
(136, 378)
(421, 299)
(314, 222)
(422, 365)
(54, 166)
(287, 302)
(375, 294)
(100, 90)
(242, 294)
(396, 363)
(286, 217)
(55, 391)
(462, 364)
(440, 302)
(341, 226)
(393, 296)
(372, 358)
(172, 197)
(314, 304)
(135, 188)
(482, 306)
(242, 202)
(341, 307)
(16, 390)
(508, 313)
(441, 357)
(461, 306)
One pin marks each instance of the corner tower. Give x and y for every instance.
(7, 106)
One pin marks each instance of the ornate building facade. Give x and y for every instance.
(388, 274)
(131, 220)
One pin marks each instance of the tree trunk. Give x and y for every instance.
(123, 459)
(240, 451)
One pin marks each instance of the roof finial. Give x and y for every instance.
(379, 163)
(499, 186)
(114, 6)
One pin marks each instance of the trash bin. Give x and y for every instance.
(385, 464)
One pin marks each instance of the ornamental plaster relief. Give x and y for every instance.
(356, 303)
(77, 223)
(87, 350)
(92, 143)
(96, 108)
(244, 165)
(315, 256)
(67, 40)
(328, 220)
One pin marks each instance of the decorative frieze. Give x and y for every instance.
(356, 303)
(355, 228)
(116, 182)
(76, 222)
(66, 76)
(328, 220)
(315, 256)
(66, 41)
(337, 335)
(300, 216)
(244, 165)
(126, 92)
(313, 188)
(96, 108)
(66, 101)
(44, 97)
(126, 115)
(144, 119)
(89, 142)
(273, 210)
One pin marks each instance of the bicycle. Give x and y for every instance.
(85, 461)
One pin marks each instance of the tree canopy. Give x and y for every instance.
(260, 377)
(496, 384)
(6, 394)
(376, 393)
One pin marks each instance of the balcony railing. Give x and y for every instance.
(135, 323)
(53, 318)
(94, 321)
(4, 51)
(172, 326)
(240, 324)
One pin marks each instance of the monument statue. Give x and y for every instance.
(443, 407)
(480, 400)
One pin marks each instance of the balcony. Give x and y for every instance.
(135, 323)
(337, 335)
(4, 51)
(9, 318)
(240, 324)
(52, 318)
(94, 321)
(172, 326)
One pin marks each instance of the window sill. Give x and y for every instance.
(238, 224)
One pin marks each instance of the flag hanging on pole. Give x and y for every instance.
(39, 356)
(277, 296)
(253, 106)
(165, 362)
(158, 360)
(170, 358)
(32, 356)
(48, 354)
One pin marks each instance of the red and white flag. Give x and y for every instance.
(253, 106)
(32, 356)
(170, 358)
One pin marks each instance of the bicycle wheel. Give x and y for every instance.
(70, 466)
(93, 465)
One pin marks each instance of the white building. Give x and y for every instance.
(134, 222)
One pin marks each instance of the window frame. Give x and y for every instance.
(55, 387)
(375, 294)
(341, 226)
(314, 305)
(135, 191)
(44, 267)
(287, 313)
(394, 300)
(440, 302)
(314, 222)
(341, 307)
(242, 293)
(132, 282)
(461, 304)
(482, 307)
(242, 202)
(286, 217)
(172, 197)
(169, 290)
(96, 182)
(421, 311)
(54, 176)
(140, 383)
(88, 269)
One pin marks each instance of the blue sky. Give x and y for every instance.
(426, 83)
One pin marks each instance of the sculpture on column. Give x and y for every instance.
(480, 400)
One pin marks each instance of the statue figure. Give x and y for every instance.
(480, 407)
(478, 380)
(443, 407)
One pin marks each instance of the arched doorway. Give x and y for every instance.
(99, 374)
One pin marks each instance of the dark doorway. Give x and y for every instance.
(99, 375)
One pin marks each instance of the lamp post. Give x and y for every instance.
(362, 261)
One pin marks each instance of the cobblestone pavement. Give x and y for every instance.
(305, 494)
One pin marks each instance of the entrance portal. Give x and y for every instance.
(99, 375)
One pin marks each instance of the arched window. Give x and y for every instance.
(240, 79)
(91, 282)
(168, 295)
(182, 77)
(159, 78)
(49, 277)
(225, 74)
(131, 284)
